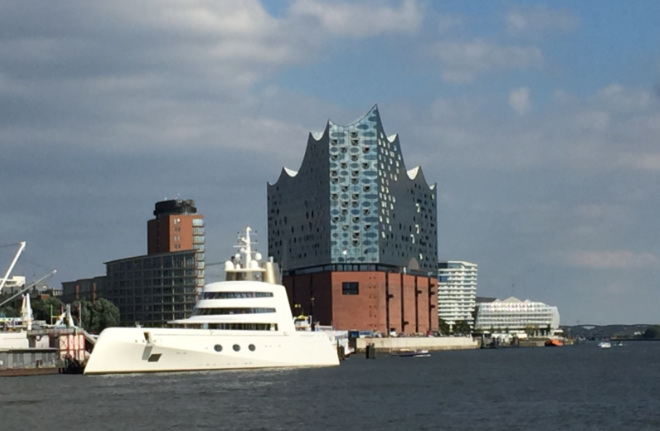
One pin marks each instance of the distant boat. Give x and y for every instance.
(604, 344)
(405, 353)
(553, 342)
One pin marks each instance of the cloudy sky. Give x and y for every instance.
(538, 120)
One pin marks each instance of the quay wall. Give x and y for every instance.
(420, 343)
(28, 361)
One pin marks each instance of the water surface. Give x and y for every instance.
(561, 388)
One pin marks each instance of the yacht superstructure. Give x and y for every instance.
(243, 322)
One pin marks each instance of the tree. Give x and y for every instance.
(462, 327)
(43, 309)
(104, 315)
(652, 332)
(96, 317)
(8, 311)
(443, 327)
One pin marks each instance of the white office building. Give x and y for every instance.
(457, 291)
(512, 314)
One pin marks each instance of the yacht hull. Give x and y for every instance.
(141, 350)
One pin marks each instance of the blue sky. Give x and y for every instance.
(539, 122)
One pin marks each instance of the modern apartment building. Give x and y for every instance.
(153, 289)
(163, 284)
(355, 232)
(457, 291)
(85, 288)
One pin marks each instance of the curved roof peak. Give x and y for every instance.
(290, 172)
(372, 111)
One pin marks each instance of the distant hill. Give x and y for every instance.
(604, 331)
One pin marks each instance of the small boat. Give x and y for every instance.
(604, 344)
(406, 353)
(553, 342)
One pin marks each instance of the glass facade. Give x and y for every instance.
(513, 314)
(353, 202)
(153, 289)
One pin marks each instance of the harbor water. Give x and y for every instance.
(555, 388)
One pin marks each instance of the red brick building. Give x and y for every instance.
(367, 300)
(177, 227)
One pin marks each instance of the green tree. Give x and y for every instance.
(96, 317)
(43, 309)
(652, 332)
(443, 327)
(462, 327)
(104, 314)
(8, 311)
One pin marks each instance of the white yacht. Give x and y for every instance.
(243, 322)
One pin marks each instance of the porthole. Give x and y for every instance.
(217, 348)
(251, 347)
(237, 347)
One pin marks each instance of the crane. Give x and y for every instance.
(11, 265)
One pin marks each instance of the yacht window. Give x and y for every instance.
(251, 347)
(236, 348)
(244, 326)
(232, 310)
(234, 295)
(218, 348)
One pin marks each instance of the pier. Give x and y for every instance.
(49, 350)
(389, 344)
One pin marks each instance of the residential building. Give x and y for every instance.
(89, 289)
(153, 289)
(457, 291)
(176, 227)
(355, 232)
(162, 285)
(13, 284)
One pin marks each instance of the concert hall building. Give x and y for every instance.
(355, 232)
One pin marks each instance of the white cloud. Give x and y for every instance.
(619, 98)
(519, 100)
(447, 23)
(360, 19)
(644, 162)
(613, 259)
(539, 20)
(462, 61)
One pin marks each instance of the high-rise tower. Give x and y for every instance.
(355, 232)
(457, 291)
(164, 284)
(177, 227)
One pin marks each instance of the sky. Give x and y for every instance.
(539, 122)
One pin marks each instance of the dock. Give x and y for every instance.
(49, 350)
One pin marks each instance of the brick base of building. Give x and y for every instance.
(366, 300)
